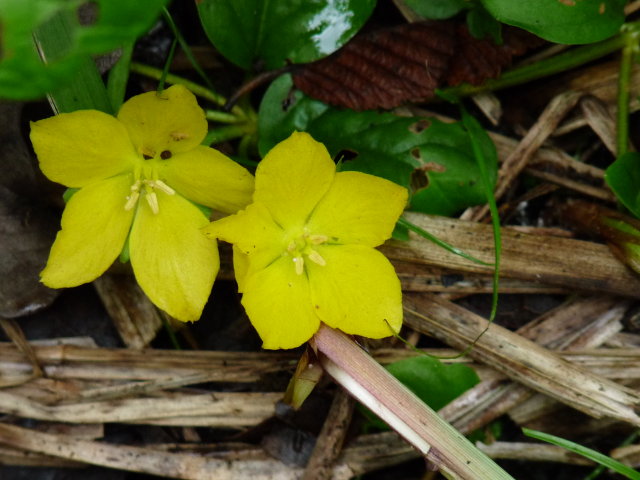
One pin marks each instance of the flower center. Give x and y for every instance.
(302, 247)
(146, 183)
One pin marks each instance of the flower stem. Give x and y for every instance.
(229, 132)
(156, 73)
(376, 388)
(624, 78)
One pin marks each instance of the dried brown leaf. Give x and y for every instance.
(406, 63)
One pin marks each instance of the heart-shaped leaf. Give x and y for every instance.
(623, 176)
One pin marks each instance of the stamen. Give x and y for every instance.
(318, 239)
(163, 187)
(299, 263)
(315, 257)
(152, 200)
(131, 200)
(291, 248)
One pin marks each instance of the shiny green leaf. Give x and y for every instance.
(269, 34)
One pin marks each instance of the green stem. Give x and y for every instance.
(185, 48)
(199, 90)
(167, 65)
(565, 61)
(624, 81)
(221, 117)
(222, 134)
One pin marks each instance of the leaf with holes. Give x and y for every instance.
(250, 32)
(434, 159)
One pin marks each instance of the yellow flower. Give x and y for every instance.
(303, 251)
(138, 175)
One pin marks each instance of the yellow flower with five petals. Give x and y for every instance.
(139, 177)
(304, 249)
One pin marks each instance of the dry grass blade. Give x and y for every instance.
(521, 359)
(550, 260)
(233, 410)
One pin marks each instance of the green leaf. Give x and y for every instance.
(597, 457)
(481, 24)
(435, 383)
(436, 9)
(434, 159)
(274, 32)
(623, 176)
(562, 21)
(24, 76)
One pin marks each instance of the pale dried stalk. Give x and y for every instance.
(518, 159)
(532, 452)
(521, 359)
(134, 316)
(551, 260)
(376, 388)
(601, 121)
(235, 410)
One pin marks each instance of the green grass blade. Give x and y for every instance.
(597, 457)
(441, 243)
(85, 89)
(483, 148)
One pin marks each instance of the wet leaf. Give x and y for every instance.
(436, 9)
(438, 157)
(389, 67)
(562, 21)
(273, 33)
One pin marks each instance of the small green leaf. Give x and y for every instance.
(436, 9)
(434, 159)
(623, 176)
(562, 21)
(274, 33)
(481, 24)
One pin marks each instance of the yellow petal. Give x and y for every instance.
(278, 303)
(240, 267)
(174, 263)
(359, 208)
(209, 178)
(356, 291)
(253, 232)
(292, 178)
(79, 148)
(94, 228)
(170, 122)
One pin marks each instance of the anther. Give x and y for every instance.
(299, 263)
(291, 247)
(163, 187)
(315, 257)
(152, 200)
(318, 239)
(131, 199)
